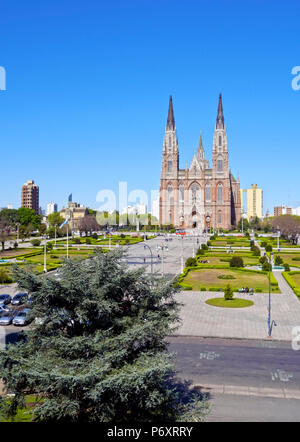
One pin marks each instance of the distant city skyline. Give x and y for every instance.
(87, 89)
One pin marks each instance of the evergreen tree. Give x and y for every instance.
(99, 352)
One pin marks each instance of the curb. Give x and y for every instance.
(240, 390)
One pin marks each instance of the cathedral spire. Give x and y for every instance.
(200, 153)
(220, 116)
(171, 119)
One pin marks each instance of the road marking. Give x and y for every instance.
(210, 355)
(281, 375)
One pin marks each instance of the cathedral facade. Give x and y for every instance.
(198, 196)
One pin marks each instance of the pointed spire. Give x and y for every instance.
(220, 116)
(171, 119)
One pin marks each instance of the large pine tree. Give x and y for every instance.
(98, 352)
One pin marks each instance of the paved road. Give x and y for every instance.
(242, 373)
(170, 259)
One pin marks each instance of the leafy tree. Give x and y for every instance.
(266, 266)
(268, 248)
(228, 292)
(88, 224)
(245, 224)
(263, 259)
(190, 262)
(278, 260)
(204, 246)
(236, 261)
(55, 219)
(4, 232)
(286, 267)
(11, 216)
(36, 242)
(100, 352)
(289, 227)
(42, 229)
(28, 216)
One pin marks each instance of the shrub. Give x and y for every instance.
(88, 241)
(191, 262)
(36, 242)
(15, 245)
(77, 240)
(200, 251)
(263, 259)
(266, 266)
(204, 246)
(236, 261)
(122, 235)
(263, 244)
(268, 248)
(286, 267)
(258, 290)
(208, 245)
(278, 260)
(251, 243)
(226, 277)
(4, 278)
(256, 251)
(95, 236)
(203, 289)
(228, 292)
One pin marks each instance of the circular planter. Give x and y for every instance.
(232, 303)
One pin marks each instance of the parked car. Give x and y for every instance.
(5, 299)
(29, 300)
(19, 298)
(6, 317)
(21, 317)
(3, 308)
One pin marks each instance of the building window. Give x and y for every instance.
(220, 193)
(169, 193)
(181, 194)
(207, 193)
(220, 140)
(195, 193)
(220, 164)
(220, 217)
(169, 166)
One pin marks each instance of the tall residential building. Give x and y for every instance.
(30, 196)
(254, 201)
(282, 210)
(51, 208)
(198, 196)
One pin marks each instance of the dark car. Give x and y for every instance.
(5, 299)
(19, 298)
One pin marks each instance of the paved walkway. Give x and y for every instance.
(201, 319)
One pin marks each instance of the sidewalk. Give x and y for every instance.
(201, 319)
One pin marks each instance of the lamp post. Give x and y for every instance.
(181, 253)
(67, 240)
(45, 255)
(146, 245)
(270, 323)
(55, 238)
(278, 236)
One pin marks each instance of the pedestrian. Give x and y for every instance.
(251, 291)
(144, 260)
(158, 256)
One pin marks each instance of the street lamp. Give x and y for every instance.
(270, 323)
(181, 253)
(146, 245)
(45, 255)
(278, 236)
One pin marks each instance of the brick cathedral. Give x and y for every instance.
(198, 196)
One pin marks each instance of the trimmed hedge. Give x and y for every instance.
(291, 282)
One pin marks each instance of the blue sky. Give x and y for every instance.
(88, 84)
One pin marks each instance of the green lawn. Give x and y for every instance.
(224, 259)
(208, 278)
(230, 303)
